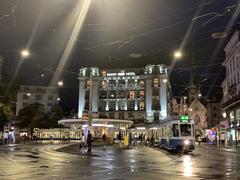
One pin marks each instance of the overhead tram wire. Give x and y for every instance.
(126, 40)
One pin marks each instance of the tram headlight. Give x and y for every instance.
(186, 142)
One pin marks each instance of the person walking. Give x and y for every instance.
(82, 144)
(104, 137)
(89, 141)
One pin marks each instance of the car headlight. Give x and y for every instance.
(186, 142)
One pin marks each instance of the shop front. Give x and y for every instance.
(232, 110)
(98, 127)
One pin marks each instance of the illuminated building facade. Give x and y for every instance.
(134, 94)
(45, 95)
(231, 85)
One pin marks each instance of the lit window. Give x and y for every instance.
(141, 83)
(131, 94)
(155, 83)
(104, 73)
(104, 84)
(141, 105)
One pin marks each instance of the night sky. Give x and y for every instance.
(112, 32)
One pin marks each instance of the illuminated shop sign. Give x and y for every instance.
(122, 74)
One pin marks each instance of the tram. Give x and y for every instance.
(174, 133)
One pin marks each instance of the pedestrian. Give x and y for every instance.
(152, 141)
(199, 139)
(89, 141)
(119, 137)
(140, 137)
(82, 144)
(104, 137)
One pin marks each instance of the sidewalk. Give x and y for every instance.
(215, 147)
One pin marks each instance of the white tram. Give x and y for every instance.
(174, 133)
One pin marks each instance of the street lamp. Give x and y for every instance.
(177, 54)
(25, 53)
(60, 83)
(224, 115)
(165, 80)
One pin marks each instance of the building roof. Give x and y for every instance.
(196, 101)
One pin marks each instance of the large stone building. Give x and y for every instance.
(231, 84)
(48, 96)
(134, 94)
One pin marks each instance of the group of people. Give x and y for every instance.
(86, 142)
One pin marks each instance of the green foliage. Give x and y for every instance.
(31, 116)
(6, 113)
(34, 116)
(54, 116)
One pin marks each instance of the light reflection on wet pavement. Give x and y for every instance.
(50, 162)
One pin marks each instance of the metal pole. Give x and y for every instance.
(90, 101)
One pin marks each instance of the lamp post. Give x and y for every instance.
(90, 100)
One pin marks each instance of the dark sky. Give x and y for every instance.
(111, 32)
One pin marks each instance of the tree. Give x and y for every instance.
(31, 116)
(54, 116)
(6, 113)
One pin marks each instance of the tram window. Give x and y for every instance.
(175, 130)
(185, 129)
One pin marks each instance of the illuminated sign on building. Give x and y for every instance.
(122, 74)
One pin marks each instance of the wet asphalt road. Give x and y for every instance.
(49, 162)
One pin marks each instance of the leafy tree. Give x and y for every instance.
(54, 116)
(6, 113)
(31, 116)
(34, 116)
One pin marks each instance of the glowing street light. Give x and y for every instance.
(25, 53)
(58, 99)
(60, 83)
(224, 115)
(28, 94)
(177, 54)
(165, 80)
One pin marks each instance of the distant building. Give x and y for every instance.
(197, 111)
(179, 105)
(214, 113)
(194, 108)
(135, 94)
(231, 84)
(48, 96)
